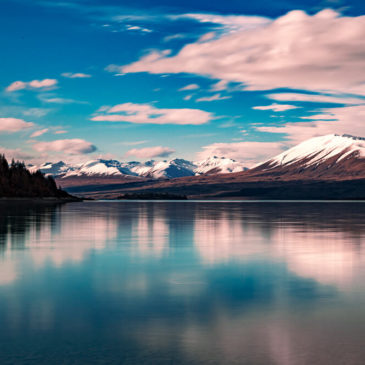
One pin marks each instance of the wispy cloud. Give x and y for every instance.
(148, 114)
(173, 37)
(39, 133)
(190, 87)
(50, 98)
(76, 75)
(150, 152)
(276, 107)
(138, 28)
(316, 98)
(132, 143)
(214, 97)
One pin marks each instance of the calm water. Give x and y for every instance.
(182, 283)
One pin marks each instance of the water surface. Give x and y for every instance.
(182, 283)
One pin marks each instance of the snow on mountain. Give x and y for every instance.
(218, 165)
(150, 169)
(171, 169)
(49, 168)
(318, 149)
(318, 157)
(94, 167)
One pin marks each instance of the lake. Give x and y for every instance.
(133, 282)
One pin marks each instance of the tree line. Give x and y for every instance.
(17, 181)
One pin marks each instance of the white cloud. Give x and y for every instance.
(174, 36)
(190, 87)
(60, 132)
(59, 100)
(146, 113)
(76, 75)
(150, 152)
(35, 84)
(38, 84)
(250, 153)
(276, 107)
(138, 28)
(14, 124)
(16, 85)
(39, 133)
(345, 120)
(316, 98)
(132, 143)
(213, 98)
(51, 98)
(68, 146)
(299, 51)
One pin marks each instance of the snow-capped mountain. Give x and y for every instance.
(167, 169)
(218, 165)
(50, 168)
(99, 168)
(326, 156)
(151, 169)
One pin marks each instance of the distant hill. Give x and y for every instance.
(16, 181)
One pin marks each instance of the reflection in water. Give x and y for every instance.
(185, 283)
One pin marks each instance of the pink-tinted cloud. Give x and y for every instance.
(68, 146)
(35, 84)
(299, 51)
(276, 107)
(14, 124)
(76, 75)
(39, 133)
(316, 98)
(16, 85)
(150, 152)
(345, 120)
(214, 97)
(146, 113)
(190, 87)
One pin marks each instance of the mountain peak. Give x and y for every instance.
(319, 156)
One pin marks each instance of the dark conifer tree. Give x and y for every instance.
(17, 181)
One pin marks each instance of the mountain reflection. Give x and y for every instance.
(316, 240)
(164, 280)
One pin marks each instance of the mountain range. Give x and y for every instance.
(151, 169)
(330, 166)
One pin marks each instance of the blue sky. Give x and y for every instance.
(82, 79)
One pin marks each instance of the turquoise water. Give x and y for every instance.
(182, 283)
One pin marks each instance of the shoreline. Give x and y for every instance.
(41, 200)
